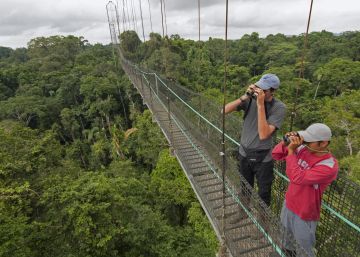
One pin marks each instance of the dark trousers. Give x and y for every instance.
(264, 173)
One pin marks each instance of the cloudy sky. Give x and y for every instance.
(22, 20)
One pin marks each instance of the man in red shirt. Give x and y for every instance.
(310, 168)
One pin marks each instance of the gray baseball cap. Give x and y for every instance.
(268, 81)
(316, 132)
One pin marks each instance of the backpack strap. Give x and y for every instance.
(247, 108)
(267, 109)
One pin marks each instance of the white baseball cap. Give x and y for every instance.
(316, 132)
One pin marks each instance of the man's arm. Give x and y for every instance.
(232, 106)
(280, 151)
(265, 129)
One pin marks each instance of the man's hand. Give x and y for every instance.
(260, 94)
(295, 142)
(251, 88)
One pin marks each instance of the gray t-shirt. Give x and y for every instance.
(250, 136)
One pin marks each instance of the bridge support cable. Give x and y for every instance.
(125, 25)
(302, 68)
(142, 20)
(127, 13)
(166, 29)
(223, 147)
(162, 18)
(134, 17)
(151, 26)
(199, 18)
(113, 18)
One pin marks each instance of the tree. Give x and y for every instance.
(26, 109)
(342, 115)
(337, 76)
(5, 52)
(130, 45)
(281, 54)
(145, 144)
(173, 191)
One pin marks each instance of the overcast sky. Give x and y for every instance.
(22, 20)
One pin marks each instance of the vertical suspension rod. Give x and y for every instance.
(162, 18)
(223, 133)
(166, 31)
(199, 17)
(302, 68)
(124, 16)
(117, 21)
(150, 16)
(142, 21)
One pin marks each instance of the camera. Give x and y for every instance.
(251, 93)
(287, 138)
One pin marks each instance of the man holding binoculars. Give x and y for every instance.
(310, 168)
(263, 116)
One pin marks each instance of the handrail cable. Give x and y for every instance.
(150, 16)
(302, 67)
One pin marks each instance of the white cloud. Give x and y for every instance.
(22, 20)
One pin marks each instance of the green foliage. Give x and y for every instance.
(202, 227)
(173, 191)
(351, 164)
(342, 114)
(65, 48)
(145, 144)
(25, 109)
(130, 44)
(338, 76)
(281, 54)
(27, 151)
(84, 171)
(5, 52)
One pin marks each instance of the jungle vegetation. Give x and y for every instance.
(85, 172)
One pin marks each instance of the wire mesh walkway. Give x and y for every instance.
(191, 124)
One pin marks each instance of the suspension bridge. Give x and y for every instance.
(243, 223)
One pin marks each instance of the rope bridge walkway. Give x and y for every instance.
(192, 125)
